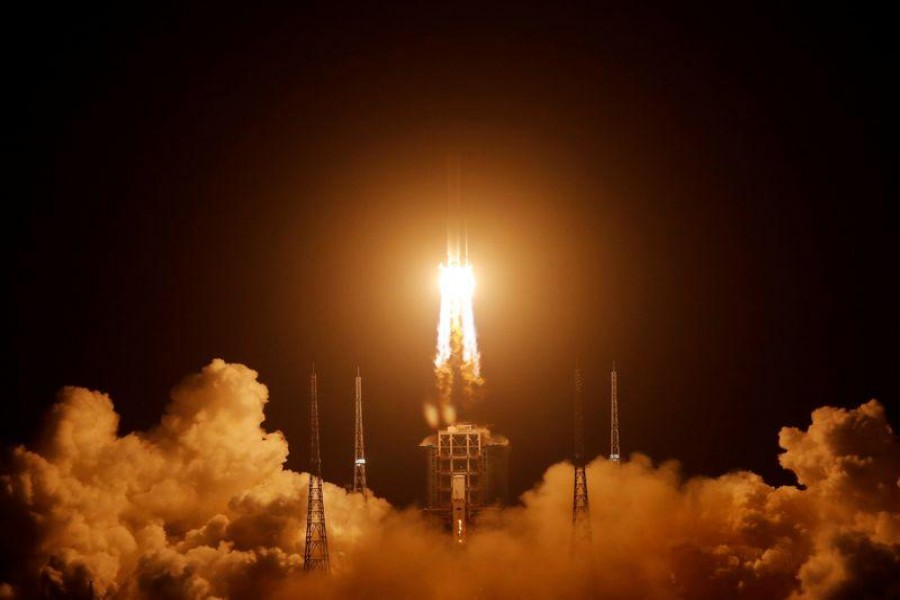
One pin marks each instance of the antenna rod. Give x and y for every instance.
(614, 416)
(315, 552)
(581, 511)
(359, 458)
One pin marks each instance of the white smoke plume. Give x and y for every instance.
(202, 507)
(198, 507)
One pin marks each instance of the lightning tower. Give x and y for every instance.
(581, 511)
(315, 553)
(614, 416)
(359, 461)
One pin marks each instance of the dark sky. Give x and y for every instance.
(700, 196)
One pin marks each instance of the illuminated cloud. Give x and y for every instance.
(201, 506)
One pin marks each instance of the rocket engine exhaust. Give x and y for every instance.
(457, 362)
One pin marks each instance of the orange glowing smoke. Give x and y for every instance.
(456, 357)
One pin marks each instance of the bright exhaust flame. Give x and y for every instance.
(457, 317)
(457, 354)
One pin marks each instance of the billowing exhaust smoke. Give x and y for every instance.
(201, 506)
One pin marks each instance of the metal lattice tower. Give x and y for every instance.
(315, 553)
(359, 461)
(614, 416)
(581, 510)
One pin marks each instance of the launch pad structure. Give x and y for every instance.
(467, 473)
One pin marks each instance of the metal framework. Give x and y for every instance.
(614, 416)
(467, 473)
(359, 460)
(581, 510)
(315, 553)
(459, 466)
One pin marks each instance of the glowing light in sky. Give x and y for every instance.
(456, 357)
(457, 319)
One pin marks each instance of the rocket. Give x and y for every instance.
(457, 244)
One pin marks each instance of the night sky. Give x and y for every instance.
(701, 196)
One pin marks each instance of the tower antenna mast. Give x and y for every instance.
(359, 461)
(581, 511)
(614, 416)
(315, 553)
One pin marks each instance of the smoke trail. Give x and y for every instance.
(201, 506)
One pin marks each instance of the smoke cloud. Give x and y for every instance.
(201, 506)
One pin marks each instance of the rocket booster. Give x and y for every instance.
(457, 236)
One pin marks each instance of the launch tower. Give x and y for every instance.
(467, 472)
